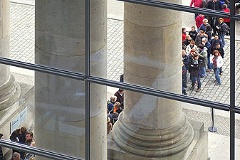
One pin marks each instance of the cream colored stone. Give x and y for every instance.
(4, 39)
(9, 89)
(196, 150)
(152, 127)
(60, 107)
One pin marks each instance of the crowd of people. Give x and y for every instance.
(203, 45)
(22, 136)
(202, 52)
(115, 106)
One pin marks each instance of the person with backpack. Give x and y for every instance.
(222, 29)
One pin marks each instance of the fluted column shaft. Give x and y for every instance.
(60, 42)
(9, 89)
(150, 126)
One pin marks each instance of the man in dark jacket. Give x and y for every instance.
(214, 5)
(194, 69)
(222, 29)
(120, 97)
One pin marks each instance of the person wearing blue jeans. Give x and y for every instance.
(222, 29)
(202, 60)
(217, 75)
(194, 69)
(217, 64)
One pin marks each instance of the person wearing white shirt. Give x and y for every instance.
(217, 62)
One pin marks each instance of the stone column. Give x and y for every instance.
(152, 127)
(60, 107)
(9, 89)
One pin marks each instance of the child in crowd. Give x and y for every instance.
(217, 64)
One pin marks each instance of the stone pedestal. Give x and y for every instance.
(152, 127)
(60, 107)
(20, 113)
(197, 150)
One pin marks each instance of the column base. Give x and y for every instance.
(20, 112)
(198, 149)
(9, 93)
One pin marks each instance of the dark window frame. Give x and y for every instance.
(141, 89)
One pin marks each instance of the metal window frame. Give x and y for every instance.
(137, 88)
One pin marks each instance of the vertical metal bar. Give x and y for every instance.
(212, 128)
(232, 81)
(87, 83)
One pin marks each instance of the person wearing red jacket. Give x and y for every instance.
(199, 21)
(196, 4)
(227, 10)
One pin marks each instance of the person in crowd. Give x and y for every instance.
(120, 96)
(110, 103)
(186, 42)
(193, 33)
(190, 47)
(202, 60)
(221, 51)
(227, 10)
(194, 70)
(196, 4)
(203, 25)
(117, 108)
(184, 79)
(207, 44)
(29, 139)
(121, 78)
(217, 64)
(184, 34)
(185, 59)
(30, 142)
(224, 2)
(109, 125)
(209, 32)
(114, 118)
(16, 156)
(200, 36)
(222, 29)
(214, 5)
(205, 3)
(1, 152)
(18, 136)
(216, 40)
(116, 111)
(199, 21)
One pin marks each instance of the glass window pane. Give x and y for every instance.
(22, 31)
(60, 114)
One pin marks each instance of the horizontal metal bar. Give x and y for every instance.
(42, 68)
(179, 7)
(123, 85)
(160, 93)
(36, 151)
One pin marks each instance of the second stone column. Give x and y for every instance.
(152, 127)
